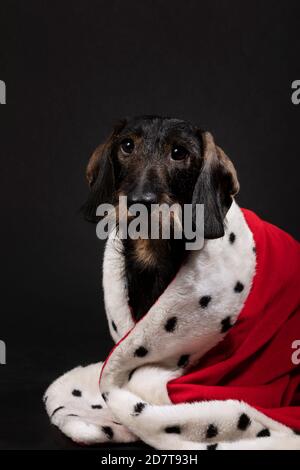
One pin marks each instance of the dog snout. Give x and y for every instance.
(142, 196)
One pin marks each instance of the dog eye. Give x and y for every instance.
(127, 146)
(179, 152)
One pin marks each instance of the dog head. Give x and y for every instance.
(154, 160)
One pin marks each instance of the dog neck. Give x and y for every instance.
(150, 265)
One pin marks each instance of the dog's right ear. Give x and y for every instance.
(100, 174)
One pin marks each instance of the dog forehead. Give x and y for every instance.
(156, 128)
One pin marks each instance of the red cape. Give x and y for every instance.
(254, 361)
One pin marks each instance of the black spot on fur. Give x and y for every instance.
(115, 422)
(232, 237)
(204, 301)
(114, 326)
(296, 432)
(97, 407)
(212, 431)
(173, 430)
(254, 249)
(138, 408)
(76, 393)
(239, 287)
(183, 360)
(243, 422)
(56, 410)
(212, 447)
(141, 352)
(108, 432)
(170, 324)
(72, 414)
(131, 374)
(105, 396)
(264, 433)
(226, 324)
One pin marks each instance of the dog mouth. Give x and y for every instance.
(161, 220)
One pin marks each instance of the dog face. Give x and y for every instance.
(154, 160)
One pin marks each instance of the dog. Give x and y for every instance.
(155, 160)
(195, 331)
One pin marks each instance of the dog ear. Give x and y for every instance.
(216, 185)
(100, 174)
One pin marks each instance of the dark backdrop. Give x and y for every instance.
(73, 67)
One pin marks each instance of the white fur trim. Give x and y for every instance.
(137, 371)
(79, 416)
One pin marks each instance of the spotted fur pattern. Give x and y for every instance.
(193, 314)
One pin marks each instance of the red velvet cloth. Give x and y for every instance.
(254, 361)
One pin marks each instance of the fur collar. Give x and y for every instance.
(215, 387)
(223, 265)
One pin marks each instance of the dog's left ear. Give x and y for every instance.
(100, 174)
(215, 187)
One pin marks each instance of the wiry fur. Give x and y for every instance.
(150, 173)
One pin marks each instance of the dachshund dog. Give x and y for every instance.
(155, 160)
(203, 338)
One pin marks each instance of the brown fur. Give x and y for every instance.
(145, 253)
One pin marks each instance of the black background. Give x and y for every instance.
(72, 68)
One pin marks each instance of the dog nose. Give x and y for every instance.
(147, 198)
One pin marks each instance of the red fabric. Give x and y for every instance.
(254, 361)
